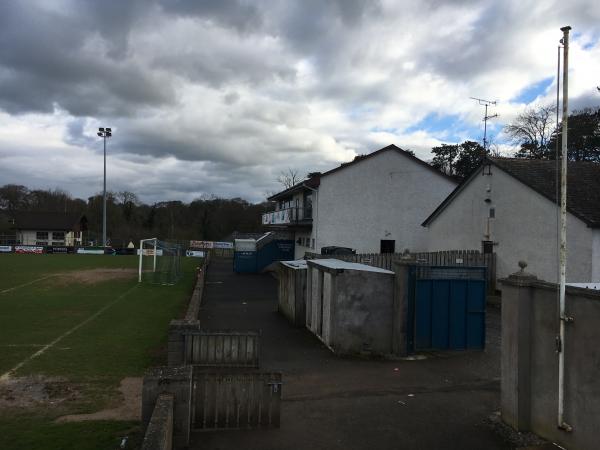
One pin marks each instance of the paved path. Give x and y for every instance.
(331, 402)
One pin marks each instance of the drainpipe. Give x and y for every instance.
(316, 208)
(563, 237)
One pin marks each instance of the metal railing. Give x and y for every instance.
(287, 216)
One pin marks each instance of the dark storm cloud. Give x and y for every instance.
(48, 58)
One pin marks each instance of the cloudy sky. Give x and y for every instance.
(218, 97)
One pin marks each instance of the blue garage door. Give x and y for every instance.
(448, 308)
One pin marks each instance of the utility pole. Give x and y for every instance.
(563, 235)
(104, 133)
(485, 103)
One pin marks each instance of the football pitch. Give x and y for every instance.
(72, 328)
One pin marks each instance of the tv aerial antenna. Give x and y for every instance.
(485, 103)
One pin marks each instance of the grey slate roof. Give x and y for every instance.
(34, 220)
(583, 185)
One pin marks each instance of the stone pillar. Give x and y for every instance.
(176, 381)
(176, 340)
(400, 305)
(517, 301)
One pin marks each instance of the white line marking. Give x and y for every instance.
(27, 284)
(7, 375)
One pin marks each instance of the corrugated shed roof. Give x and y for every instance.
(34, 220)
(583, 185)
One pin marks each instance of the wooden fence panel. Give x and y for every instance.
(235, 400)
(213, 348)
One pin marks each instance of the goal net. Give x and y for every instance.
(160, 262)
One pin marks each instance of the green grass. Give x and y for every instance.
(122, 341)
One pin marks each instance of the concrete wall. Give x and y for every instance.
(529, 386)
(177, 382)
(351, 310)
(159, 434)
(596, 255)
(524, 228)
(387, 196)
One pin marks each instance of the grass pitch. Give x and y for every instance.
(85, 321)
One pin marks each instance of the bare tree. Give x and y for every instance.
(288, 177)
(532, 130)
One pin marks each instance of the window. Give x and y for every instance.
(41, 235)
(313, 244)
(388, 246)
(492, 213)
(58, 235)
(488, 247)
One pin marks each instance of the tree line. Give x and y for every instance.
(129, 219)
(536, 135)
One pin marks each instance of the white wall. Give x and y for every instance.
(386, 196)
(300, 250)
(524, 228)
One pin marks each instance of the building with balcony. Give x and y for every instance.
(372, 204)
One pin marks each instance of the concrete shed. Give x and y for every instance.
(292, 291)
(350, 306)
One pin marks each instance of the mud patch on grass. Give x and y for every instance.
(92, 276)
(36, 391)
(130, 407)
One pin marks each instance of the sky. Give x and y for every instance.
(219, 97)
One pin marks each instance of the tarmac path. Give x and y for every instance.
(330, 402)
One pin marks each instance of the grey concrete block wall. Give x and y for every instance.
(159, 433)
(176, 381)
(351, 307)
(529, 386)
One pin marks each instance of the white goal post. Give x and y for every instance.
(160, 262)
(155, 240)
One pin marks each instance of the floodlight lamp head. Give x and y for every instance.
(109, 129)
(99, 134)
(108, 134)
(100, 129)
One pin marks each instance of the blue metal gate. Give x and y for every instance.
(446, 309)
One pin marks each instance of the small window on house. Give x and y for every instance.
(487, 246)
(58, 235)
(41, 235)
(492, 213)
(387, 246)
(313, 244)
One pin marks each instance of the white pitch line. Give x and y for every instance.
(7, 375)
(27, 284)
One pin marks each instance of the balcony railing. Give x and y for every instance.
(288, 216)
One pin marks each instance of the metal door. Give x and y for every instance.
(447, 308)
(235, 400)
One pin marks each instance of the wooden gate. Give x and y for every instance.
(235, 400)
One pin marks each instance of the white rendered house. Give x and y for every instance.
(373, 204)
(508, 206)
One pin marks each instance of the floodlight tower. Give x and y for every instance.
(485, 103)
(104, 133)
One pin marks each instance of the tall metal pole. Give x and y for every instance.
(104, 199)
(485, 129)
(563, 235)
